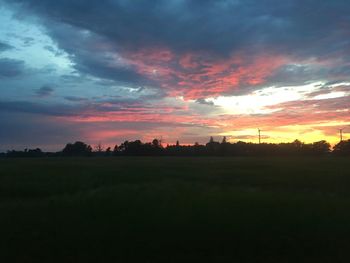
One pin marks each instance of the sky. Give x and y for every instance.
(114, 70)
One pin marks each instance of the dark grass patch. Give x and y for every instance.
(175, 210)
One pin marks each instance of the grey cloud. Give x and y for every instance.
(329, 88)
(93, 55)
(83, 109)
(37, 108)
(28, 41)
(314, 105)
(19, 131)
(57, 110)
(204, 102)
(44, 91)
(297, 74)
(11, 67)
(75, 99)
(321, 91)
(5, 47)
(53, 50)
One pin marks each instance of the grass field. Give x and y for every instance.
(165, 209)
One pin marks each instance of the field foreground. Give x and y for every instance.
(149, 209)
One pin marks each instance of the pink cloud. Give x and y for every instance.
(197, 75)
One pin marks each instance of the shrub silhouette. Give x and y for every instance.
(26, 153)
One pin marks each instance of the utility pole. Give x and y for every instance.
(341, 134)
(160, 141)
(259, 131)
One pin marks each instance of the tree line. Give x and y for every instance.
(212, 148)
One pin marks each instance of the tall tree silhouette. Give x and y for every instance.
(224, 140)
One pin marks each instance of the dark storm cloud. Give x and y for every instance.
(44, 91)
(93, 32)
(4, 46)
(10, 67)
(92, 54)
(37, 108)
(220, 26)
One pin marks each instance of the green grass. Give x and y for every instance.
(165, 209)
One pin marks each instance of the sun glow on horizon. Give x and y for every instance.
(257, 101)
(289, 133)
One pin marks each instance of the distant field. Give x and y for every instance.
(150, 209)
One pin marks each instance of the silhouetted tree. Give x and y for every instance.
(155, 143)
(115, 150)
(321, 148)
(77, 149)
(213, 147)
(26, 153)
(108, 151)
(133, 148)
(224, 147)
(342, 148)
(123, 147)
(99, 148)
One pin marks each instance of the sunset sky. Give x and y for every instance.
(115, 70)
